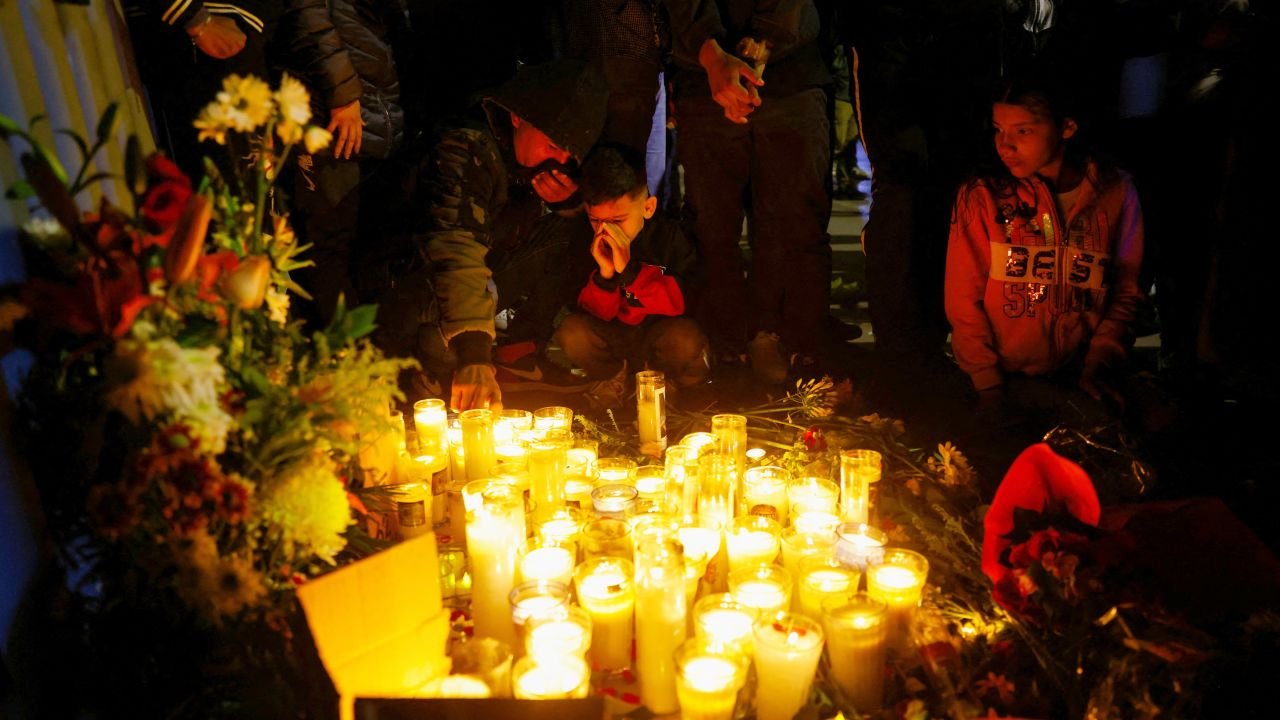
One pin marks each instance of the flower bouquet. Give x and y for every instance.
(191, 445)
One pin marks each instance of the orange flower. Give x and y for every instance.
(246, 285)
(187, 243)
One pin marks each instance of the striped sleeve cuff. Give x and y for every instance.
(181, 13)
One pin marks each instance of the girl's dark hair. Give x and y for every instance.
(611, 171)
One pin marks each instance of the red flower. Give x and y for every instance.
(815, 440)
(167, 193)
(1042, 481)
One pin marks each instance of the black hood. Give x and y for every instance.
(565, 99)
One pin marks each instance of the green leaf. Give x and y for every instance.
(107, 123)
(135, 166)
(79, 141)
(52, 161)
(20, 190)
(9, 127)
(96, 177)
(361, 321)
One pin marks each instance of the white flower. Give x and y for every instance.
(277, 305)
(213, 123)
(160, 378)
(294, 104)
(247, 101)
(316, 139)
(45, 231)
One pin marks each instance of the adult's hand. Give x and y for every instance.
(475, 386)
(733, 82)
(219, 37)
(554, 186)
(1095, 379)
(347, 129)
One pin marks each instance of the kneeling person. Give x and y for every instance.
(632, 305)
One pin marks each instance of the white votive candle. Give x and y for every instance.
(787, 648)
(605, 591)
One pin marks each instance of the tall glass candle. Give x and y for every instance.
(767, 485)
(752, 540)
(660, 614)
(731, 439)
(717, 490)
(532, 599)
(681, 482)
(431, 421)
(898, 580)
(856, 633)
(605, 590)
(787, 649)
(823, 579)
(550, 678)
(606, 537)
(764, 587)
(858, 469)
(477, 442)
(561, 526)
(651, 412)
(547, 458)
(495, 536)
(379, 452)
(708, 681)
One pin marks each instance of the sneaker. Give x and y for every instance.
(609, 393)
(521, 368)
(768, 362)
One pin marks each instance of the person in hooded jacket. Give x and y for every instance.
(480, 190)
(342, 51)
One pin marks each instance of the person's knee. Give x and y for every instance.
(575, 337)
(680, 348)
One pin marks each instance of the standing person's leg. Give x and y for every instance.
(633, 97)
(791, 260)
(715, 155)
(327, 196)
(677, 347)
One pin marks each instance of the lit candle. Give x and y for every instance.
(651, 483)
(764, 587)
(495, 535)
(512, 457)
(813, 495)
(577, 491)
(614, 501)
(379, 452)
(699, 442)
(566, 632)
(731, 439)
(767, 485)
(798, 545)
(431, 421)
(520, 421)
(787, 649)
(550, 678)
(581, 461)
(708, 681)
(434, 470)
(477, 442)
(651, 412)
(553, 418)
(717, 490)
(858, 469)
(457, 686)
(855, 631)
(822, 579)
(815, 522)
(546, 468)
(605, 591)
(859, 544)
(898, 581)
(457, 513)
(532, 599)
(547, 562)
(660, 614)
(457, 455)
(681, 482)
(616, 471)
(753, 540)
(606, 537)
(561, 527)
(721, 621)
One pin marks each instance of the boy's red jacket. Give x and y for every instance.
(652, 281)
(1029, 291)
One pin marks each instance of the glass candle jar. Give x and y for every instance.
(651, 412)
(767, 485)
(856, 633)
(553, 418)
(660, 613)
(614, 501)
(798, 545)
(606, 537)
(605, 587)
(822, 579)
(547, 459)
(764, 587)
(717, 490)
(562, 632)
(813, 494)
(550, 678)
(898, 580)
(495, 536)
(787, 649)
(858, 470)
(720, 620)
(708, 680)
(752, 540)
(858, 544)
(477, 442)
(616, 471)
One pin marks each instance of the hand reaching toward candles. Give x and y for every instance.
(475, 386)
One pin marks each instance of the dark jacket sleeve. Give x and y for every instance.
(180, 13)
(787, 24)
(315, 48)
(692, 23)
(465, 188)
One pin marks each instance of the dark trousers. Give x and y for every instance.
(674, 345)
(327, 194)
(633, 96)
(773, 169)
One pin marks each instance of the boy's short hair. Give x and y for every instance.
(611, 171)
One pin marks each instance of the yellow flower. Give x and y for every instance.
(277, 305)
(294, 104)
(246, 101)
(213, 123)
(307, 506)
(316, 139)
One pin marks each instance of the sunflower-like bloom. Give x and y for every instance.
(307, 505)
(243, 105)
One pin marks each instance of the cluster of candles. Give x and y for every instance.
(718, 581)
